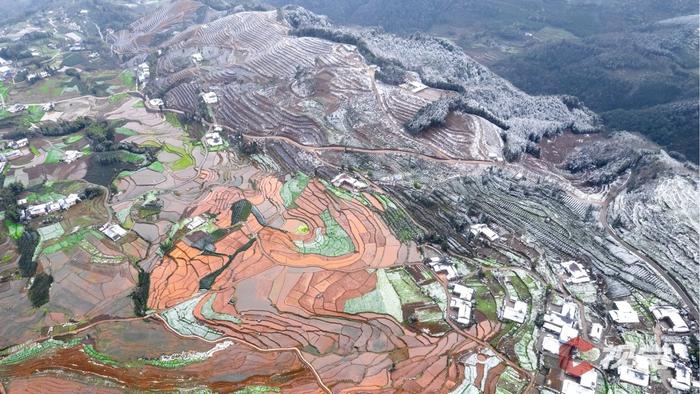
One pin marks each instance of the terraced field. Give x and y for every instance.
(293, 257)
(247, 49)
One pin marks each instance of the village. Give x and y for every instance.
(581, 349)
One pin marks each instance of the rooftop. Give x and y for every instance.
(636, 372)
(448, 269)
(483, 229)
(213, 139)
(463, 292)
(346, 179)
(596, 331)
(671, 317)
(113, 231)
(516, 312)
(210, 98)
(577, 273)
(571, 387)
(624, 313)
(551, 344)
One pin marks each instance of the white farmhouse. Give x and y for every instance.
(635, 372)
(577, 273)
(483, 229)
(213, 139)
(514, 311)
(623, 313)
(670, 319)
(210, 98)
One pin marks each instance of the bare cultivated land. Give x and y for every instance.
(320, 246)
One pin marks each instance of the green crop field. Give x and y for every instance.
(118, 98)
(53, 156)
(33, 115)
(15, 229)
(156, 166)
(332, 243)
(383, 299)
(293, 188)
(125, 131)
(185, 161)
(302, 229)
(133, 158)
(68, 242)
(51, 88)
(405, 287)
(36, 349)
(51, 231)
(173, 120)
(257, 390)
(520, 288)
(485, 303)
(72, 139)
(127, 79)
(4, 91)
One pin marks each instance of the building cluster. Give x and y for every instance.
(638, 365)
(10, 155)
(21, 143)
(461, 301)
(676, 355)
(15, 108)
(37, 76)
(14, 151)
(561, 340)
(513, 310)
(70, 156)
(560, 326)
(33, 211)
(143, 72)
(345, 180)
(213, 139)
(443, 266)
(670, 319)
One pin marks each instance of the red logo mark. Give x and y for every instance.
(566, 361)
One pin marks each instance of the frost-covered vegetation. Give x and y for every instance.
(442, 64)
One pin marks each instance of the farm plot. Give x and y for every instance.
(332, 241)
(293, 188)
(185, 159)
(334, 238)
(383, 299)
(143, 355)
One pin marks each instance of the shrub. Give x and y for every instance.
(39, 292)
